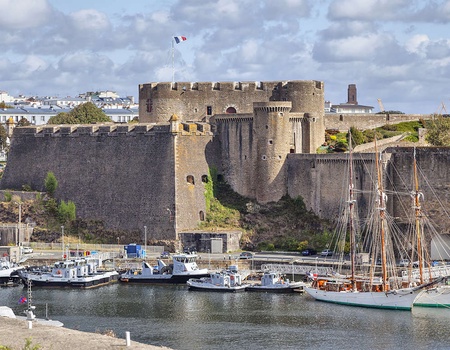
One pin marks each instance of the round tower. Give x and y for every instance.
(272, 137)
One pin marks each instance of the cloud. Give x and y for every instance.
(24, 14)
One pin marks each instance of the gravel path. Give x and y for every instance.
(14, 334)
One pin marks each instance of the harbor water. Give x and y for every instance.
(180, 319)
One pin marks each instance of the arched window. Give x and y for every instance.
(190, 179)
(205, 178)
(201, 215)
(230, 110)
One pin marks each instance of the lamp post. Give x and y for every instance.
(62, 241)
(145, 243)
(209, 259)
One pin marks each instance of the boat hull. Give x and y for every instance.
(399, 300)
(435, 297)
(213, 288)
(160, 279)
(263, 289)
(83, 283)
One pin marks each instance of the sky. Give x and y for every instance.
(397, 51)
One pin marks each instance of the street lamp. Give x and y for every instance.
(62, 240)
(209, 259)
(145, 243)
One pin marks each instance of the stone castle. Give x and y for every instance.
(260, 137)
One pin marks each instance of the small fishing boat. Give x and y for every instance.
(75, 273)
(223, 281)
(274, 282)
(183, 267)
(9, 272)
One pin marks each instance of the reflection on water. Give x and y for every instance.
(174, 317)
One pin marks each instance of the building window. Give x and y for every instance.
(205, 178)
(201, 215)
(208, 110)
(264, 157)
(270, 142)
(230, 110)
(149, 105)
(190, 179)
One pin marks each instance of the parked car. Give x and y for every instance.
(190, 250)
(309, 251)
(326, 252)
(246, 255)
(27, 250)
(165, 255)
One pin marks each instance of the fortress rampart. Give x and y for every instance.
(319, 179)
(343, 122)
(259, 136)
(130, 176)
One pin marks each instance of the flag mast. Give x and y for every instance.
(173, 53)
(175, 39)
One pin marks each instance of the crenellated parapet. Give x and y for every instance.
(110, 130)
(203, 100)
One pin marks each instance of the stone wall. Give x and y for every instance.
(322, 181)
(343, 122)
(122, 174)
(433, 179)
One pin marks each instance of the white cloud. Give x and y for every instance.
(417, 43)
(24, 14)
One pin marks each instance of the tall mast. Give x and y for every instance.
(351, 205)
(417, 212)
(382, 210)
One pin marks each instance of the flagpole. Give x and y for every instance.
(173, 68)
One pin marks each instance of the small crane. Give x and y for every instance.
(441, 108)
(381, 105)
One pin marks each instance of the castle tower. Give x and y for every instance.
(352, 95)
(272, 134)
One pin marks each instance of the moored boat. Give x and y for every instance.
(9, 272)
(75, 273)
(183, 267)
(223, 281)
(367, 287)
(274, 282)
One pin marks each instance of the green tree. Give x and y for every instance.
(23, 122)
(85, 113)
(357, 136)
(3, 105)
(51, 183)
(438, 131)
(66, 211)
(3, 137)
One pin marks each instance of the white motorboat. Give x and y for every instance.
(274, 282)
(76, 273)
(9, 272)
(224, 281)
(183, 267)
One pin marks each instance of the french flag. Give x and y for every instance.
(179, 39)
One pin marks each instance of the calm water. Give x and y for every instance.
(174, 317)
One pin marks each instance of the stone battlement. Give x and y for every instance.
(108, 129)
(227, 86)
